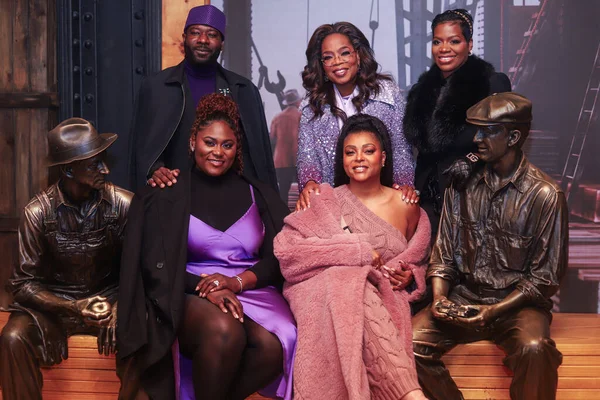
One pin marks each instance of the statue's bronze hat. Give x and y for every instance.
(76, 139)
(501, 108)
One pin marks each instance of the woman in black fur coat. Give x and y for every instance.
(437, 104)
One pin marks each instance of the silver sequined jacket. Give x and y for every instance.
(317, 138)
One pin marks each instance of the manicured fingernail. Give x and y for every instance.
(242, 319)
(236, 316)
(403, 197)
(169, 183)
(318, 193)
(386, 275)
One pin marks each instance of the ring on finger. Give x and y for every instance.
(216, 282)
(417, 192)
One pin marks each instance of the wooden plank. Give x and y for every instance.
(29, 100)
(51, 43)
(503, 394)
(80, 386)
(497, 360)
(564, 371)
(7, 159)
(6, 45)
(21, 164)
(74, 374)
(20, 55)
(91, 363)
(78, 396)
(38, 47)
(495, 382)
(38, 150)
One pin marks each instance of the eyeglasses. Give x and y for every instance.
(344, 57)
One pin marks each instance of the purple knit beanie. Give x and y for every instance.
(206, 15)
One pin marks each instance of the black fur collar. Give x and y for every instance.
(436, 107)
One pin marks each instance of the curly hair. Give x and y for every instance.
(459, 15)
(217, 107)
(320, 91)
(364, 123)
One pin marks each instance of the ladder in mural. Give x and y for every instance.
(573, 167)
(515, 72)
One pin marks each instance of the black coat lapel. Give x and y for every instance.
(436, 108)
(174, 216)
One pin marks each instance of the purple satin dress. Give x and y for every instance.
(231, 253)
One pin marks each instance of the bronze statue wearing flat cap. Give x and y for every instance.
(499, 256)
(66, 282)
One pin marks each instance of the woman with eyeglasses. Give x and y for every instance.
(341, 80)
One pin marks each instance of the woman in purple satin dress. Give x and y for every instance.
(235, 333)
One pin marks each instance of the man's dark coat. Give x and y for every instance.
(165, 113)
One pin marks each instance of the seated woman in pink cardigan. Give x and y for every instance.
(340, 259)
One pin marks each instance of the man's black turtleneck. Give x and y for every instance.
(202, 79)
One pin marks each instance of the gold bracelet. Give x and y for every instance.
(241, 283)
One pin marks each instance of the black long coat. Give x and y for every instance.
(153, 275)
(435, 123)
(165, 112)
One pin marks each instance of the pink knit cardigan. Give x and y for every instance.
(326, 271)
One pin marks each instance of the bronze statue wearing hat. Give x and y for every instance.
(66, 281)
(499, 256)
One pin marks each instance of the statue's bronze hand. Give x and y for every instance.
(107, 338)
(95, 310)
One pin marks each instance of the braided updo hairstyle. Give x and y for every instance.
(460, 16)
(216, 107)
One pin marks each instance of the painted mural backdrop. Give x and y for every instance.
(549, 49)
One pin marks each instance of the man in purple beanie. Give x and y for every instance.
(167, 101)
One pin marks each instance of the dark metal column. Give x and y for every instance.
(105, 49)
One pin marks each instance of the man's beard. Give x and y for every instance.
(191, 57)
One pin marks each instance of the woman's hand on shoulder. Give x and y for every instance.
(410, 195)
(228, 302)
(304, 199)
(163, 177)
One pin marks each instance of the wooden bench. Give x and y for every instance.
(478, 370)
(477, 367)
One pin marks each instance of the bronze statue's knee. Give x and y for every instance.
(533, 346)
(13, 335)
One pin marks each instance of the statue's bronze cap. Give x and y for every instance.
(76, 139)
(501, 108)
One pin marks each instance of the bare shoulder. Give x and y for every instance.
(407, 208)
